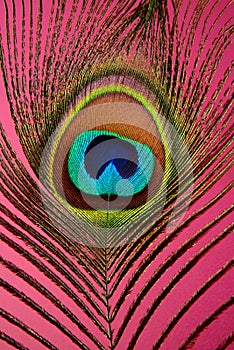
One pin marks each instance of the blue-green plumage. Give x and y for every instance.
(115, 166)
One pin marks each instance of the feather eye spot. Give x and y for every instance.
(109, 162)
(107, 158)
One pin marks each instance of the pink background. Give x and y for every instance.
(208, 265)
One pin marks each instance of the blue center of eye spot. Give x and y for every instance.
(106, 150)
(99, 161)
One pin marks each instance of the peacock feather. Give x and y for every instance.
(116, 174)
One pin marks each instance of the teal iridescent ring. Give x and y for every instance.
(112, 159)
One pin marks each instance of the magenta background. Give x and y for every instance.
(208, 265)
